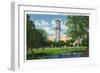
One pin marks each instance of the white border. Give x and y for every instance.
(18, 52)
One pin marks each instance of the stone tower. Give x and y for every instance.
(58, 28)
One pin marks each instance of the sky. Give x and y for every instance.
(47, 22)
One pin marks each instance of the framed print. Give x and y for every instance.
(49, 36)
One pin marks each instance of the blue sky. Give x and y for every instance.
(47, 22)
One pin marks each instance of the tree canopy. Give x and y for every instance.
(36, 38)
(78, 26)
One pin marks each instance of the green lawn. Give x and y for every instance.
(59, 50)
(40, 53)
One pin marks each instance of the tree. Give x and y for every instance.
(49, 43)
(41, 37)
(58, 44)
(61, 43)
(78, 27)
(30, 32)
(69, 43)
(85, 42)
(36, 38)
(54, 43)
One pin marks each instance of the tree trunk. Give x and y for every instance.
(43, 48)
(31, 50)
(28, 49)
(37, 48)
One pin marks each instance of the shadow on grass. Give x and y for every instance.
(54, 56)
(37, 56)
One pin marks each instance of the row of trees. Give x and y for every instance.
(36, 38)
(68, 43)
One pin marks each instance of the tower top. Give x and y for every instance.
(58, 20)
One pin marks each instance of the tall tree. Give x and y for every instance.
(30, 32)
(78, 26)
(41, 38)
(36, 38)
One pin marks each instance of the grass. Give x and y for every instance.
(59, 50)
(40, 53)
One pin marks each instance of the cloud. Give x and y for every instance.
(53, 24)
(63, 29)
(49, 31)
(42, 24)
(49, 27)
(37, 24)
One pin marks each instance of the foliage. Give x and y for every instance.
(36, 38)
(30, 32)
(69, 43)
(85, 42)
(78, 26)
(58, 44)
(49, 43)
(41, 38)
(61, 43)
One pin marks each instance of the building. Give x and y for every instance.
(58, 36)
(57, 30)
